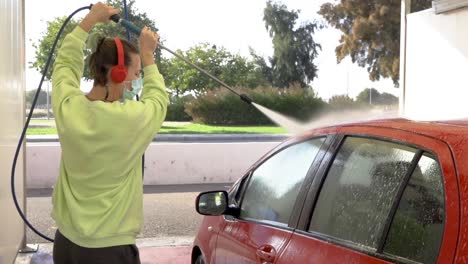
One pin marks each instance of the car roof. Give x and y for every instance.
(443, 130)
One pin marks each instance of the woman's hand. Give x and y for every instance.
(99, 13)
(148, 42)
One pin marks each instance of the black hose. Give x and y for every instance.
(20, 143)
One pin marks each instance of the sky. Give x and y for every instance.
(233, 24)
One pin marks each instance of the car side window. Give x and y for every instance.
(418, 226)
(273, 187)
(359, 190)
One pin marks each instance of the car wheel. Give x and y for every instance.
(200, 260)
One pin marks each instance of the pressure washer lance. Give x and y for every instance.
(131, 27)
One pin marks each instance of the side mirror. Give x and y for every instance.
(212, 203)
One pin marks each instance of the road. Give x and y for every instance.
(169, 212)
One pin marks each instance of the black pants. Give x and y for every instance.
(67, 252)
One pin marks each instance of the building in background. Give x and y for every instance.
(434, 61)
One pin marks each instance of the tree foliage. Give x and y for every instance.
(41, 100)
(294, 47)
(44, 45)
(232, 69)
(341, 102)
(372, 96)
(370, 33)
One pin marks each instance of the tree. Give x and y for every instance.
(232, 69)
(368, 96)
(41, 100)
(387, 99)
(294, 48)
(370, 33)
(109, 30)
(45, 44)
(372, 96)
(341, 102)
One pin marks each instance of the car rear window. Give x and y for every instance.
(359, 189)
(384, 197)
(418, 226)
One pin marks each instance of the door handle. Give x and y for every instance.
(266, 254)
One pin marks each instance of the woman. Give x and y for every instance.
(97, 200)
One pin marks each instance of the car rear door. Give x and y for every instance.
(384, 196)
(267, 199)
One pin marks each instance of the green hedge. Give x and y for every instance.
(176, 109)
(40, 113)
(222, 107)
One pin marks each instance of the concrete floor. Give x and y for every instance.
(168, 211)
(169, 226)
(170, 250)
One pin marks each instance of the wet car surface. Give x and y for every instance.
(388, 191)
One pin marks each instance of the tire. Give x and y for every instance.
(200, 260)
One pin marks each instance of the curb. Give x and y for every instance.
(188, 138)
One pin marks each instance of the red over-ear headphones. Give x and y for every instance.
(119, 71)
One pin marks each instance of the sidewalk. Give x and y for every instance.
(175, 250)
(165, 255)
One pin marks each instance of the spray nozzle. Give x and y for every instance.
(245, 98)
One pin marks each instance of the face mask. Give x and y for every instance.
(136, 88)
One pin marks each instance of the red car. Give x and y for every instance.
(389, 191)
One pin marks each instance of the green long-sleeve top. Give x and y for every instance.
(98, 197)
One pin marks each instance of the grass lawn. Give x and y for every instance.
(42, 121)
(187, 129)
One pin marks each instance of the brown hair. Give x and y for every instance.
(105, 57)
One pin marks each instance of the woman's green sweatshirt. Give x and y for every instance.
(98, 197)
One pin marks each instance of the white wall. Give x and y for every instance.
(166, 163)
(12, 82)
(437, 65)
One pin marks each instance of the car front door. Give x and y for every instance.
(266, 199)
(387, 196)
